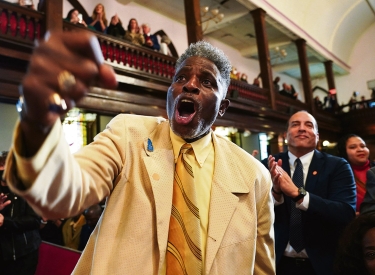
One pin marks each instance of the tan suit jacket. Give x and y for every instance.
(131, 236)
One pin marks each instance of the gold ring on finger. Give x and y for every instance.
(66, 81)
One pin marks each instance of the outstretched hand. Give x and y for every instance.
(64, 66)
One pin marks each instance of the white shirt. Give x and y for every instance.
(304, 205)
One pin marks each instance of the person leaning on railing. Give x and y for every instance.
(98, 20)
(115, 27)
(133, 33)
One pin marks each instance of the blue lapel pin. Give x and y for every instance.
(150, 148)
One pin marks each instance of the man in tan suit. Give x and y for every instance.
(133, 161)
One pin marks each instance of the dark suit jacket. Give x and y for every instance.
(154, 40)
(332, 191)
(368, 204)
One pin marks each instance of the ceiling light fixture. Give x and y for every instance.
(207, 15)
(279, 53)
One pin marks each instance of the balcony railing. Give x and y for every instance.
(20, 24)
(142, 73)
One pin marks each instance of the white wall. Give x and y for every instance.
(8, 119)
(362, 61)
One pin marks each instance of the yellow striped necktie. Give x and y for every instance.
(184, 254)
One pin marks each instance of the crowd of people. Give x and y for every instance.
(287, 90)
(22, 230)
(138, 35)
(181, 199)
(330, 102)
(134, 33)
(236, 75)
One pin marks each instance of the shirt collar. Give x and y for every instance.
(201, 147)
(305, 159)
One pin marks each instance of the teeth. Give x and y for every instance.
(186, 100)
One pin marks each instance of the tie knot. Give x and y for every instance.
(298, 162)
(186, 148)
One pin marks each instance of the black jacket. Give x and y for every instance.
(332, 192)
(19, 234)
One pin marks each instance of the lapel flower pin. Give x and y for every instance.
(150, 148)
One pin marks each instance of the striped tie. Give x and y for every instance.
(184, 254)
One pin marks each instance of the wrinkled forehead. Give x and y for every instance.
(203, 64)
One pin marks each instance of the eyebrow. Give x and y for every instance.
(201, 70)
(299, 121)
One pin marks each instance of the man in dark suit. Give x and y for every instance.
(318, 210)
(151, 41)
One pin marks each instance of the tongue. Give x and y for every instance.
(184, 118)
(184, 114)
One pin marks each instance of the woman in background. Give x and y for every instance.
(352, 148)
(133, 33)
(73, 17)
(98, 19)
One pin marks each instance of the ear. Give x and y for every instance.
(223, 106)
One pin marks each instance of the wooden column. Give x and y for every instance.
(329, 74)
(305, 74)
(264, 54)
(54, 17)
(193, 21)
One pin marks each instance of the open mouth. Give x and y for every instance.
(185, 111)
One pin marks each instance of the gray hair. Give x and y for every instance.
(206, 50)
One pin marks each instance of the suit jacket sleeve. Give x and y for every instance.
(69, 184)
(265, 253)
(155, 41)
(340, 194)
(368, 204)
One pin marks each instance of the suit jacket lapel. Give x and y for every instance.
(223, 200)
(159, 164)
(285, 165)
(316, 165)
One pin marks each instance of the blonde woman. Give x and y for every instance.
(98, 19)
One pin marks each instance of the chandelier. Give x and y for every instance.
(208, 15)
(279, 54)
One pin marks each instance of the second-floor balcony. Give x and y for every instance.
(144, 77)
